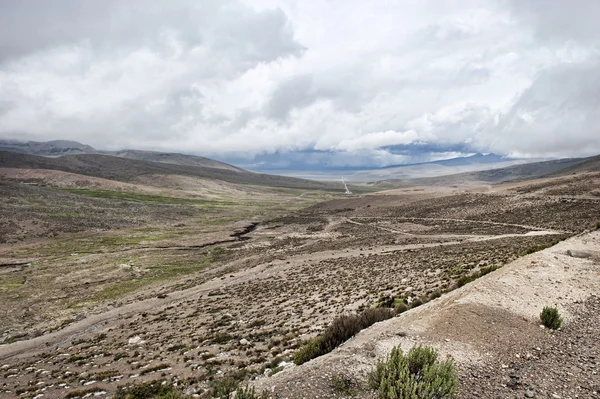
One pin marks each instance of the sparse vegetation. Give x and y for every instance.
(597, 224)
(157, 389)
(343, 385)
(249, 393)
(551, 318)
(472, 277)
(417, 375)
(339, 331)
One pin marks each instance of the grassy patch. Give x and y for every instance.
(11, 282)
(144, 198)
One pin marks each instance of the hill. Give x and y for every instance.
(493, 176)
(127, 170)
(46, 148)
(175, 158)
(591, 164)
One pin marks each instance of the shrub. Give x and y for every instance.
(551, 318)
(416, 303)
(149, 390)
(417, 375)
(466, 279)
(309, 351)
(343, 385)
(249, 393)
(339, 331)
(597, 224)
(401, 307)
(223, 387)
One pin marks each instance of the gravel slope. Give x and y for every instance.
(491, 328)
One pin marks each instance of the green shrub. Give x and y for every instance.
(157, 389)
(339, 331)
(401, 307)
(309, 351)
(416, 303)
(466, 279)
(417, 375)
(223, 387)
(435, 294)
(249, 393)
(597, 224)
(551, 318)
(343, 385)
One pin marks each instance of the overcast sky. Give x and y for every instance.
(323, 82)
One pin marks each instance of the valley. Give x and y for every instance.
(200, 282)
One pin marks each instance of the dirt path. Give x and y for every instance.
(487, 222)
(491, 328)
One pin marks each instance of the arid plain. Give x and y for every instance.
(108, 281)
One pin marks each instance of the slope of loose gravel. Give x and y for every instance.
(491, 328)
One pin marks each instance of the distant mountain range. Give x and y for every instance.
(74, 157)
(127, 165)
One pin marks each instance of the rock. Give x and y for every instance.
(244, 341)
(529, 393)
(137, 340)
(578, 254)
(369, 346)
(80, 317)
(555, 396)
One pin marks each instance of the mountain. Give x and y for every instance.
(499, 175)
(127, 170)
(46, 148)
(174, 158)
(591, 164)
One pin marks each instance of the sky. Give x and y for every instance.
(305, 83)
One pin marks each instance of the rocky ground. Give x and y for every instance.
(195, 303)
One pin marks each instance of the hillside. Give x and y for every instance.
(46, 148)
(591, 164)
(126, 170)
(490, 327)
(493, 176)
(175, 158)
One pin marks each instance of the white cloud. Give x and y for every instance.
(381, 82)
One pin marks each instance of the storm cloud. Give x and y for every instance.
(286, 82)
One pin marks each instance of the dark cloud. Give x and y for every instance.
(276, 82)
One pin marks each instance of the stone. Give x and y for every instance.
(529, 393)
(244, 341)
(137, 340)
(578, 254)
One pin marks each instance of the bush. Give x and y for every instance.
(312, 349)
(597, 224)
(551, 318)
(416, 303)
(417, 375)
(343, 385)
(223, 387)
(149, 390)
(249, 393)
(339, 331)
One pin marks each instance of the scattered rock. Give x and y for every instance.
(578, 254)
(137, 340)
(244, 341)
(529, 393)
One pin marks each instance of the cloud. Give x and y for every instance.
(275, 81)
